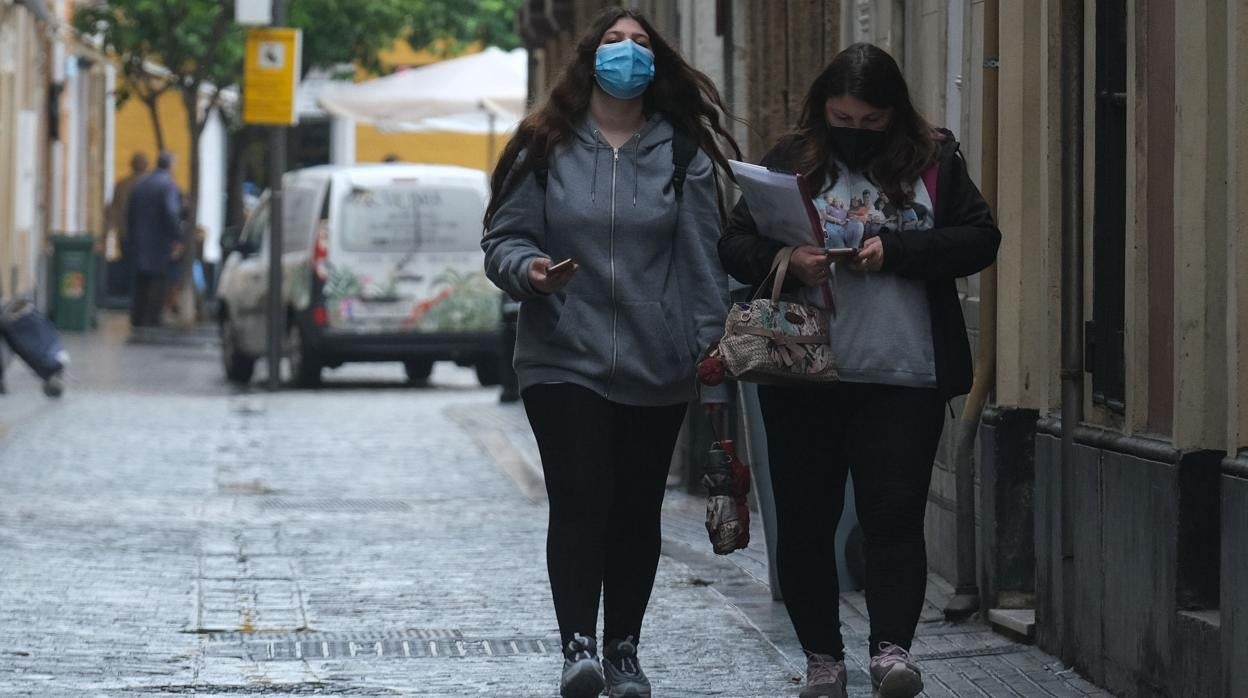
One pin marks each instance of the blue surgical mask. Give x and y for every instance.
(624, 69)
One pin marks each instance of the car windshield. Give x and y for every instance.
(406, 218)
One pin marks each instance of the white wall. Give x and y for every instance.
(212, 182)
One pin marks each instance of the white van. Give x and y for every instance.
(380, 263)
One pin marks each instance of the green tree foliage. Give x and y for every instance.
(447, 26)
(163, 45)
(349, 31)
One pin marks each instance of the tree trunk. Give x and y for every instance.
(154, 113)
(186, 294)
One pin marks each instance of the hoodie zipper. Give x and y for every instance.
(615, 343)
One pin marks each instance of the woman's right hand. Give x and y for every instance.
(548, 281)
(810, 264)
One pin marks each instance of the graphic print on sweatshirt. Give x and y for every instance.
(855, 210)
(881, 330)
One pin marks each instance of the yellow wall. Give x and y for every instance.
(135, 133)
(463, 149)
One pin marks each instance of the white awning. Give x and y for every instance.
(464, 94)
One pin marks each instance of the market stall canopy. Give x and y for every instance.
(481, 93)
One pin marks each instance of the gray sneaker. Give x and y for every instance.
(625, 679)
(894, 674)
(825, 677)
(582, 674)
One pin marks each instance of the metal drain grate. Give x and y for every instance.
(314, 636)
(336, 505)
(307, 688)
(449, 648)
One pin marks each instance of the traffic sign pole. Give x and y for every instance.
(277, 168)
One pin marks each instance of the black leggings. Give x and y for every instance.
(886, 436)
(606, 470)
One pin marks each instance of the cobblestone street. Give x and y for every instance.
(165, 535)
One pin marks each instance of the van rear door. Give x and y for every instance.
(405, 257)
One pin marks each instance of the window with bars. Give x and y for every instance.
(1104, 335)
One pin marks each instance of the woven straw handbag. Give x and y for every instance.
(777, 342)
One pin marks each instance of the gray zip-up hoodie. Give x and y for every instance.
(649, 296)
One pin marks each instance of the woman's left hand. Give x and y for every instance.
(870, 257)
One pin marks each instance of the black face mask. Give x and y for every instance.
(856, 146)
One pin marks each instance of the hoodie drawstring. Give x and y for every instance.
(636, 175)
(593, 187)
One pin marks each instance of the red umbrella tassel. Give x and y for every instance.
(740, 491)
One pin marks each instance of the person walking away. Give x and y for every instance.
(117, 242)
(603, 223)
(900, 342)
(154, 217)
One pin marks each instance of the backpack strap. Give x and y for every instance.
(541, 170)
(684, 148)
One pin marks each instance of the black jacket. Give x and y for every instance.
(964, 241)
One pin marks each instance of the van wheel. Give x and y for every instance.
(418, 371)
(488, 373)
(238, 366)
(305, 368)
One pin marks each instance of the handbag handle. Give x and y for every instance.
(779, 269)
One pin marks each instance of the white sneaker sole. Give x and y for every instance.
(900, 682)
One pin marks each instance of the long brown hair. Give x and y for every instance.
(686, 97)
(868, 73)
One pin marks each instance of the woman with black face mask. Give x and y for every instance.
(900, 343)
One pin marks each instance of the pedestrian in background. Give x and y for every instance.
(117, 241)
(900, 343)
(154, 217)
(607, 340)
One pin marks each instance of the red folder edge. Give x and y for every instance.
(816, 229)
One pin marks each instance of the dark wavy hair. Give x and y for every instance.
(867, 72)
(685, 96)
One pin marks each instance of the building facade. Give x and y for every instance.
(1146, 589)
(55, 139)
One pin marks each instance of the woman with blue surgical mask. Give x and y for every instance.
(603, 223)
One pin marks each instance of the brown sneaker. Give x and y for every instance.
(825, 677)
(894, 674)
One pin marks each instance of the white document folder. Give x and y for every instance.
(783, 210)
(780, 203)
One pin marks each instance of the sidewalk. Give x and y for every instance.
(347, 541)
(958, 659)
(165, 534)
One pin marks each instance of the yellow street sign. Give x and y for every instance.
(271, 76)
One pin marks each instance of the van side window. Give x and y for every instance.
(300, 206)
(256, 230)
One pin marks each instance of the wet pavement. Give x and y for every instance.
(166, 534)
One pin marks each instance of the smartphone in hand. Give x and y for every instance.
(837, 254)
(555, 268)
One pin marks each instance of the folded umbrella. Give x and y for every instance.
(727, 481)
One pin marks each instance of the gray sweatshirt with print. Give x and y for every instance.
(649, 296)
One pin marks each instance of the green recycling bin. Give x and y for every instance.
(73, 281)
